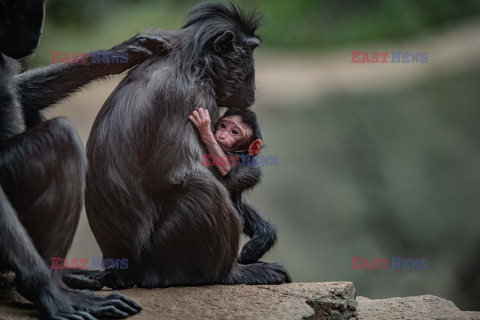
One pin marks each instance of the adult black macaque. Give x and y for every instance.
(42, 167)
(148, 198)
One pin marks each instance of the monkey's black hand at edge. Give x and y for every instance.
(139, 48)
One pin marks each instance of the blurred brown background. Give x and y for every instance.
(375, 160)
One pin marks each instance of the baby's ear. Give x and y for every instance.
(255, 147)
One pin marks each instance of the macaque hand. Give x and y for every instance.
(141, 47)
(201, 120)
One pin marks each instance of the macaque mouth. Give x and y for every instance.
(223, 145)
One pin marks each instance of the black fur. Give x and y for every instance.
(42, 168)
(148, 197)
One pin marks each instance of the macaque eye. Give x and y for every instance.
(223, 125)
(234, 131)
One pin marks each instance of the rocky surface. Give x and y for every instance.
(327, 300)
(330, 300)
(419, 307)
(320, 300)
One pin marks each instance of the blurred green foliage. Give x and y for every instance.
(300, 23)
(290, 25)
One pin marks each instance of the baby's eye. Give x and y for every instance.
(234, 131)
(223, 125)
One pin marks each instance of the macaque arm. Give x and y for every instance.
(201, 120)
(216, 152)
(43, 87)
(242, 178)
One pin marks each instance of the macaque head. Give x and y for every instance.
(226, 39)
(238, 131)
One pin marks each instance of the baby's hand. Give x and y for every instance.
(201, 120)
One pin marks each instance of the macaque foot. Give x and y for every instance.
(83, 282)
(117, 281)
(111, 306)
(59, 303)
(259, 273)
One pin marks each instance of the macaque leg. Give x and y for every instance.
(41, 196)
(43, 175)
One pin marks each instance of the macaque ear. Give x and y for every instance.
(255, 147)
(223, 42)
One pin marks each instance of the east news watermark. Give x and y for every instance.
(92, 57)
(398, 263)
(389, 57)
(244, 160)
(95, 263)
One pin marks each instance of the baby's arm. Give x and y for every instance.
(201, 120)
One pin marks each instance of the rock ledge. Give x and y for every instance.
(318, 300)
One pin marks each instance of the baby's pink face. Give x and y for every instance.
(230, 130)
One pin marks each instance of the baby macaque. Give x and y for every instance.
(237, 133)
